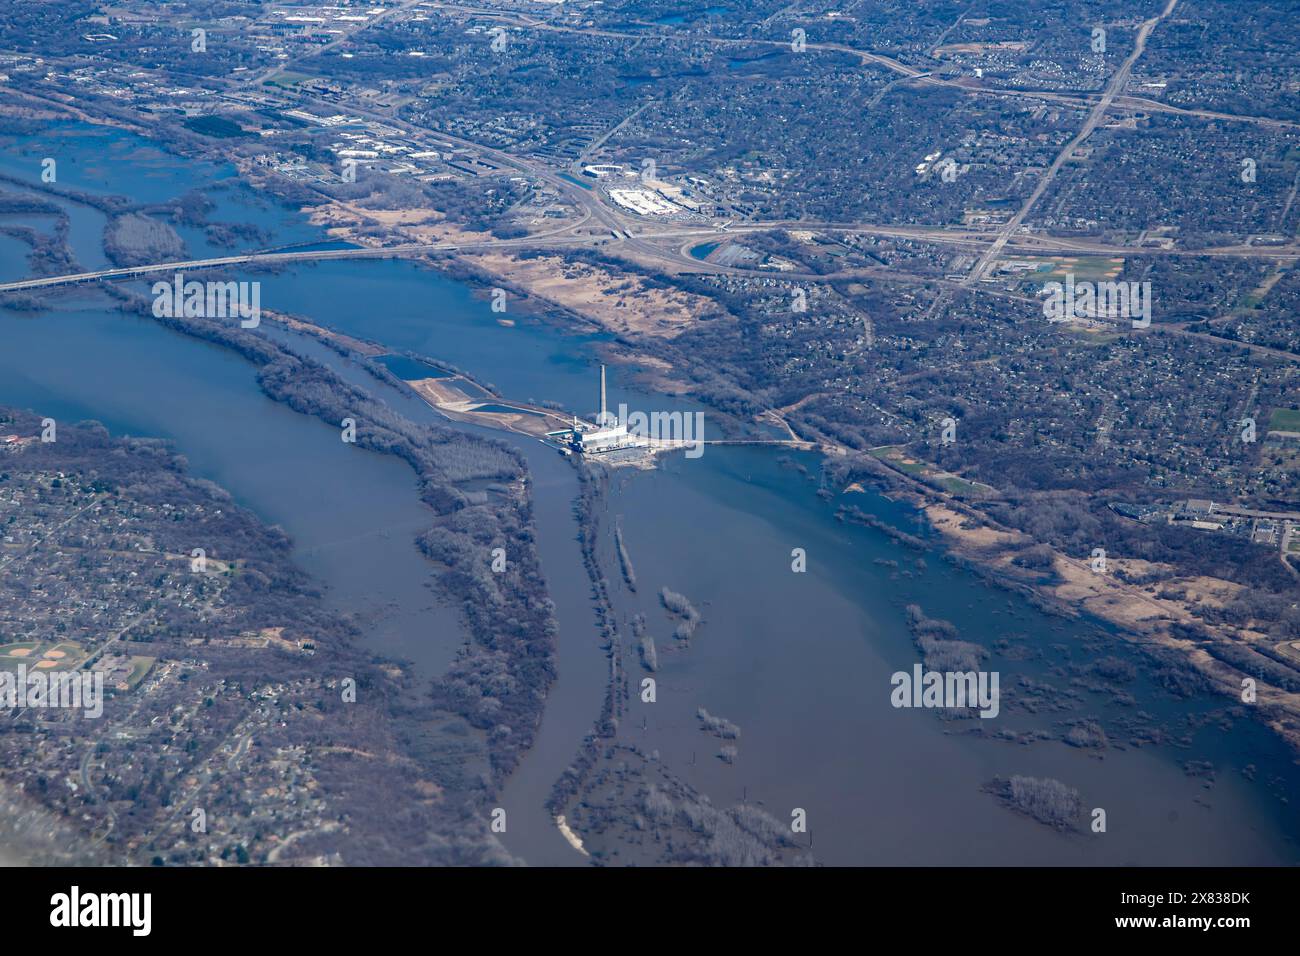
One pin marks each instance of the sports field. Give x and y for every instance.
(44, 655)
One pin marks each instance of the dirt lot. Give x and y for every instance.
(619, 303)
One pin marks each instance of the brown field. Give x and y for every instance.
(618, 303)
(342, 220)
(441, 392)
(1137, 609)
(652, 371)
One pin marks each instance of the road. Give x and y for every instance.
(1113, 88)
(904, 71)
(606, 225)
(265, 76)
(677, 258)
(602, 225)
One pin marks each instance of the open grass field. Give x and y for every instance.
(896, 457)
(139, 668)
(960, 486)
(1285, 420)
(290, 78)
(1083, 268)
(953, 484)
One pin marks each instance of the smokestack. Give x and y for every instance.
(601, 421)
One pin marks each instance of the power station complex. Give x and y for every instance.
(606, 435)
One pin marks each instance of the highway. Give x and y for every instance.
(676, 258)
(600, 225)
(1094, 119)
(965, 84)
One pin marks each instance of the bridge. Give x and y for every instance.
(679, 258)
(271, 258)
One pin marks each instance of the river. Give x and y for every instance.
(800, 661)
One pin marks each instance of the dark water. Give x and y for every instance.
(409, 369)
(410, 307)
(831, 637)
(494, 407)
(677, 19)
(800, 661)
(576, 181)
(576, 695)
(104, 161)
(353, 514)
(13, 259)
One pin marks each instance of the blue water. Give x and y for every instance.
(800, 661)
(105, 161)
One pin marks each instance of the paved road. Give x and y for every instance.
(682, 239)
(676, 258)
(905, 71)
(1094, 118)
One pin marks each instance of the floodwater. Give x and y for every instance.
(801, 661)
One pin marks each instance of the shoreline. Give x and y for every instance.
(984, 545)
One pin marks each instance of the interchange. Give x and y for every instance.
(645, 243)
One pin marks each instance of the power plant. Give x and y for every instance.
(606, 435)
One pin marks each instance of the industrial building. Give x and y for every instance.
(605, 435)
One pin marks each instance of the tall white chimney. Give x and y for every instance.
(601, 420)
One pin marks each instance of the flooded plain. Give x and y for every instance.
(799, 661)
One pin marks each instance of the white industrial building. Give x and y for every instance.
(607, 434)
